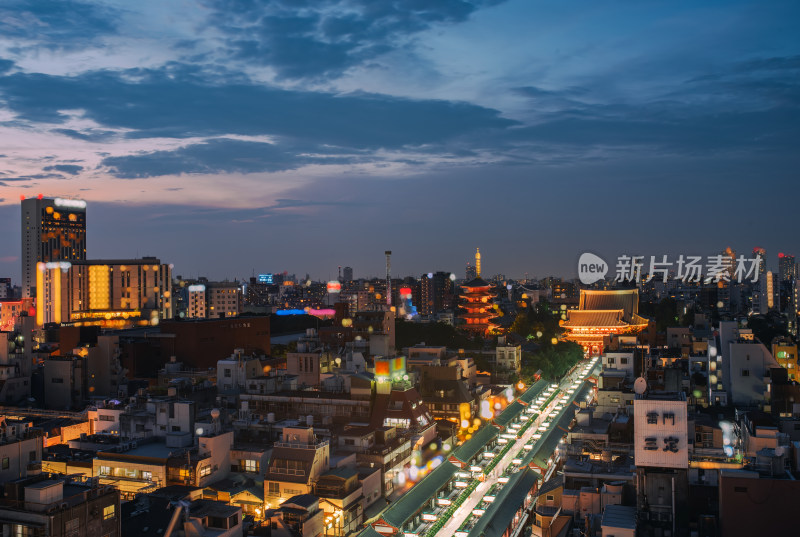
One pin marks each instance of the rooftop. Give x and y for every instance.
(619, 516)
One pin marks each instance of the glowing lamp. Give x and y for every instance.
(334, 287)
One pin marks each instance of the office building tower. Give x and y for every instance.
(223, 299)
(469, 272)
(761, 254)
(52, 230)
(112, 293)
(787, 268)
(347, 274)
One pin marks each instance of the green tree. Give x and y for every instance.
(521, 325)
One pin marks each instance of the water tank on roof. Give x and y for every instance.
(309, 420)
(271, 417)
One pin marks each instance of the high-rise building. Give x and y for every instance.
(223, 299)
(347, 274)
(787, 275)
(111, 293)
(761, 254)
(787, 268)
(5, 288)
(469, 272)
(436, 292)
(52, 230)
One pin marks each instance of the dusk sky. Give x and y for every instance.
(238, 136)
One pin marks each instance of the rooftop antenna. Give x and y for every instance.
(388, 278)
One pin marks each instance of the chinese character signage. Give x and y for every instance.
(661, 433)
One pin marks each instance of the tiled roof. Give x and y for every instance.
(500, 514)
(594, 318)
(477, 282)
(534, 391)
(466, 451)
(626, 300)
(399, 512)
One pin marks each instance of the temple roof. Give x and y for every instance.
(477, 282)
(594, 318)
(626, 300)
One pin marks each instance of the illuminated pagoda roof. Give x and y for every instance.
(476, 282)
(595, 318)
(626, 300)
(602, 313)
(477, 301)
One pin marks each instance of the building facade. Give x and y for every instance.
(52, 230)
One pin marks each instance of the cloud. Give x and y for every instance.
(71, 169)
(173, 102)
(89, 135)
(329, 36)
(213, 156)
(34, 177)
(56, 23)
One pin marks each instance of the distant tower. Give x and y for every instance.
(388, 277)
(478, 262)
(340, 274)
(347, 274)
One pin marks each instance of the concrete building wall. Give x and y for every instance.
(622, 361)
(748, 365)
(15, 457)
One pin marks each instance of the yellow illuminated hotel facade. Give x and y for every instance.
(113, 293)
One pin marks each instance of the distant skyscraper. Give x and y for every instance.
(729, 260)
(437, 292)
(347, 274)
(787, 269)
(787, 277)
(469, 272)
(761, 253)
(52, 230)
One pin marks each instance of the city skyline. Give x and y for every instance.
(238, 137)
(614, 264)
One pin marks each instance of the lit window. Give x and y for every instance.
(109, 512)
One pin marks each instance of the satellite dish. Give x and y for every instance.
(215, 414)
(199, 431)
(640, 386)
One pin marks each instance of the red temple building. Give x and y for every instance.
(602, 313)
(477, 301)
